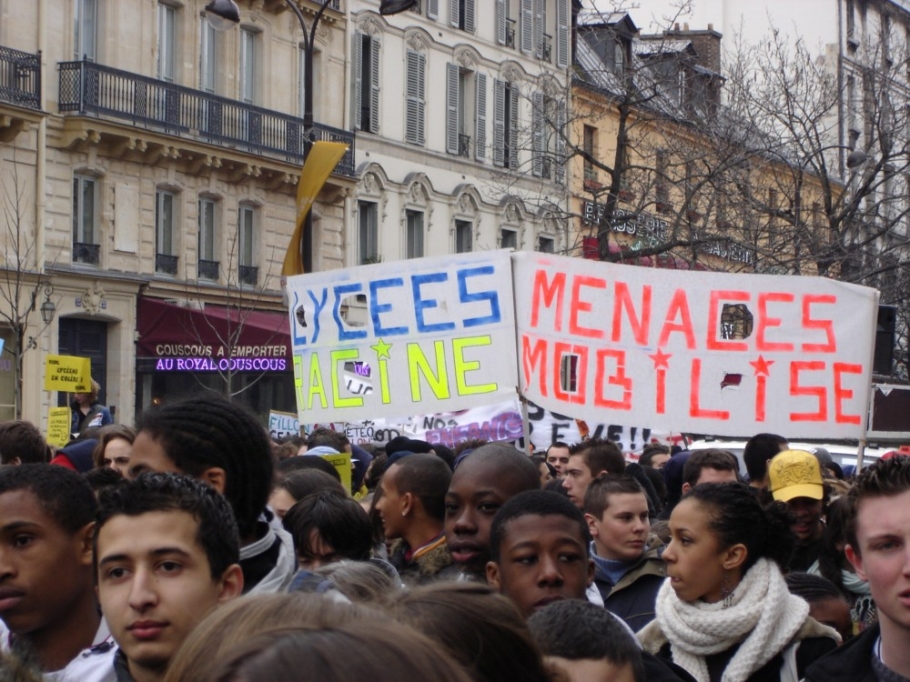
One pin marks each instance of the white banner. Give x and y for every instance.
(439, 335)
(283, 424)
(695, 352)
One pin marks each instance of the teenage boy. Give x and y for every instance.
(629, 569)
(878, 546)
(411, 506)
(709, 466)
(759, 450)
(47, 591)
(589, 462)
(167, 552)
(558, 456)
(481, 484)
(795, 478)
(223, 445)
(22, 443)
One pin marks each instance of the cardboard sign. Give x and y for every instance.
(695, 352)
(283, 424)
(58, 426)
(67, 373)
(439, 336)
(342, 464)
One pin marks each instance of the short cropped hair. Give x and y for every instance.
(327, 437)
(61, 493)
(650, 451)
(23, 440)
(885, 478)
(811, 587)
(708, 459)
(578, 630)
(340, 522)
(427, 478)
(211, 432)
(597, 496)
(291, 465)
(759, 449)
(535, 503)
(151, 492)
(557, 444)
(602, 455)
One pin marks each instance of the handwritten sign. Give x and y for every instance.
(438, 334)
(58, 426)
(694, 351)
(283, 424)
(67, 373)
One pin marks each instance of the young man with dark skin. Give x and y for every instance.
(709, 466)
(795, 478)
(587, 463)
(629, 569)
(878, 546)
(47, 595)
(223, 445)
(558, 456)
(481, 484)
(167, 553)
(411, 505)
(760, 449)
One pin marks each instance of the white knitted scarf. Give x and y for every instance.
(763, 615)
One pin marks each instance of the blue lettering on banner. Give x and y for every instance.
(341, 292)
(489, 296)
(377, 308)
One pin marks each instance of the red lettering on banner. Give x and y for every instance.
(841, 394)
(819, 392)
(579, 306)
(714, 322)
(765, 321)
(560, 350)
(695, 409)
(826, 325)
(618, 379)
(762, 370)
(640, 325)
(661, 362)
(549, 291)
(679, 307)
(531, 358)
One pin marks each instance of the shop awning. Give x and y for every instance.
(169, 330)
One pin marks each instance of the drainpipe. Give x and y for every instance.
(41, 157)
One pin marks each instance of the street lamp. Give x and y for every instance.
(48, 309)
(223, 13)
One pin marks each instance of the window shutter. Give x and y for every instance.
(499, 122)
(416, 89)
(452, 76)
(357, 72)
(537, 131)
(422, 98)
(513, 126)
(538, 28)
(527, 26)
(454, 8)
(433, 9)
(560, 142)
(374, 85)
(501, 21)
(468, 15)
(480, 119)
(562, 33)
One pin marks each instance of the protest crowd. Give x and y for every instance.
(194, 548)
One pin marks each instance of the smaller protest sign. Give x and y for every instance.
(342, 464)
(67, 373)
(283, 424)
(58, 426)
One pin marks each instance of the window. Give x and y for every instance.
(208, 57)
(462, 14)
(546, 244)
(247, 272)
(431, 7)
(85, 237)
(547, 119)
(505, 24)
(415, 113)
(167, 20)
(415, 234)
(86, 30)
(589, 142)
(505, 124)
(165, 233)
(249, 63)
(208, 265)
(661, 188)
(366, 83)
(461, 99)
(508, 239)
(464, 236)
(368, 243)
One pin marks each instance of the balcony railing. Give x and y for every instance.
(249, 275)
(20, 78)
(510, 33)
(546, 48)
(464, 146)
(166, 264)
(89, 88)
(208, 269)
(90, 254)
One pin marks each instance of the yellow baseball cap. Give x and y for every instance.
(795, 473)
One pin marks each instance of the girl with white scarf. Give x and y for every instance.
(724, 614)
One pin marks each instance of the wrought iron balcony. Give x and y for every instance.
(546, 48)
(464, 146)
(510, 33)
(89, 88)
(20, 78)
(166, 264)
(90, 254)
(208, 269)
(249, 275)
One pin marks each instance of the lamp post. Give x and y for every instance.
(224, 13)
